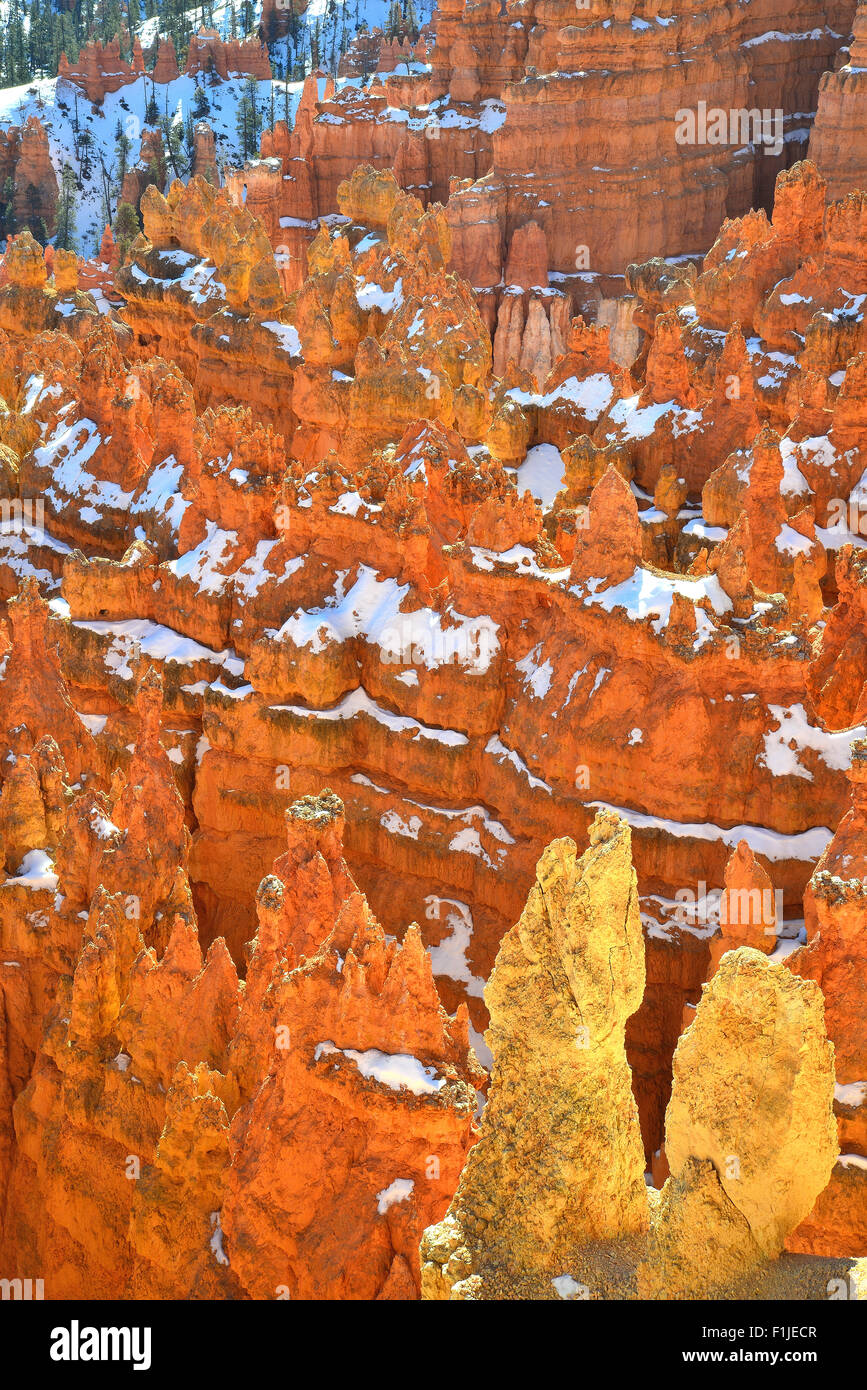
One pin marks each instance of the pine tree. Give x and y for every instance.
(126, 228)
(189, 139)
(7, 217)
(122, 147)
(18, 69)
(39, 230)
(172, 136)
(201, 105)
(38, 42)
(85, 145)
(248, 120)
(109, 20)
(294, 25)
(66, 203)
(242, 125)
(69, 45)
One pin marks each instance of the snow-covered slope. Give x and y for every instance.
(54, 102)
(60, 106)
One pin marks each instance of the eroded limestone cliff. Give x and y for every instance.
(338, 478)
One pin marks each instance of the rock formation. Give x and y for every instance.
(188, 1096)
(566, 979)
(149, 169)
(749, 1133)
(345, 478)
(25, 165)
(208, 53)
(836, 917)
(545, 1197)
(204, 163)
(100, 68)
(276, 17)
(363, 1070)
(290, 597)
(662, 159)
(165, 67)
(837, 141)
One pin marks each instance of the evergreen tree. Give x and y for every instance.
(33, 217)
(152, 112)
(122, 146)
(66, 203)
(271, 35)
(85, 145)
(248, 121)
(18, 68)
(68, 38)
(294, 25)
(126, 228)
(7, 216)
(189, 139)
(38, 38)
(172, 136)
(393, 23)
(201, 105)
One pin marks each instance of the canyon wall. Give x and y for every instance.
(345, 493)
(839, 137)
